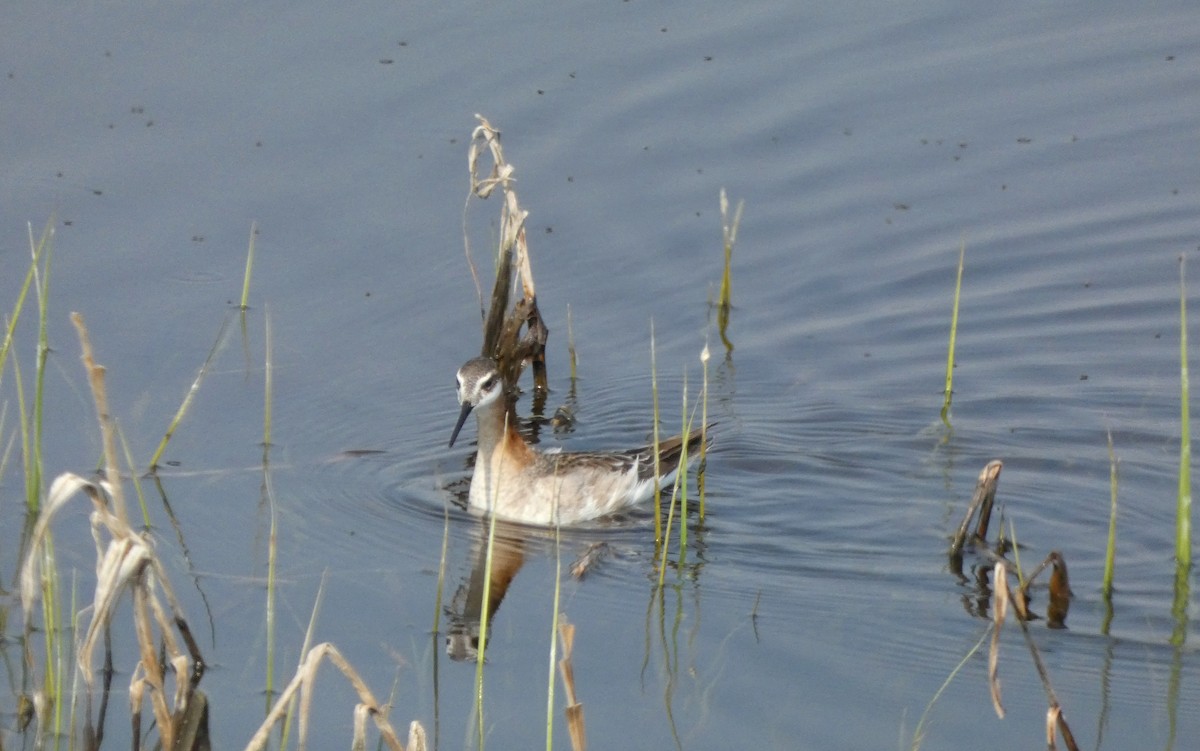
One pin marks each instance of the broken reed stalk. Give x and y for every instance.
(729, 228)
(949, 389)
(191, 394)
(249, 267)
(982, 500)
(1110, 552)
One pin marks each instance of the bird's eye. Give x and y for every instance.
(486, 383)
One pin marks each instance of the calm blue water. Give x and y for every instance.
(868, 142)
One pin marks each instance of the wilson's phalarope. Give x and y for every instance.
(544, 487)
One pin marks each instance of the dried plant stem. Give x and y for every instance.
(574, 709)
(301, 685)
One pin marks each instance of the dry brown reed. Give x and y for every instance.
(982, 501)
(126, 562)
(574, 709)
(301, 687)
(1004, 597)
(1055, 718)
(502, 340)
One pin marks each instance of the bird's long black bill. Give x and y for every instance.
(462, 417)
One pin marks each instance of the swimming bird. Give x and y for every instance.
(515, 481)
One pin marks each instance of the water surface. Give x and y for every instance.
(868, 142)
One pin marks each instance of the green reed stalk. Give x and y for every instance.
(37, 248)
(1110, 553)
(704, 356)
(682, 475)
(268, 380)
(42, 287)
(962, 252)
(249, 267)
(1183, 510)
(658, 527)
(485, 607)
(662, 551)
(729, 230)
(32, 497)
(269, 497)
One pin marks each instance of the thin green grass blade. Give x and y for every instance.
(921, 729)
(249, 267)
(682, 474)
(554, 637)
(268, 494)
(38, 248)
(268, 380)
(32, 498)
(1183, 511)
(949, 392)
(658, 526)
(42, 287)
(729, 228)
(191, 394)
(704, 357)
(1110, 553)
(485, 612)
